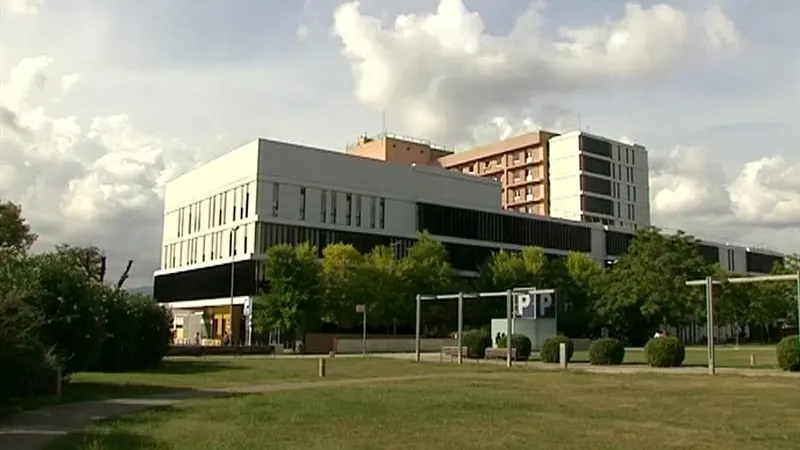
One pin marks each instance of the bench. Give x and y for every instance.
(500, 353)
(452, 352)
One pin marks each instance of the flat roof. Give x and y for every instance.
(496, 148)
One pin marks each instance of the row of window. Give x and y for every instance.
(217, 213)
(504, 228)
(210, 247)
(329, 207)
(214, 282)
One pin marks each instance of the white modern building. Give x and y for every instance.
(596, 179)
(221, 218)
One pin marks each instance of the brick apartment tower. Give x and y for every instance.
(520, 163)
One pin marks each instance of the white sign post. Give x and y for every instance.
(362, 309)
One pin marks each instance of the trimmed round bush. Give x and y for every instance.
(550, 349)
(519, 341)
(786, 351)
(664, 351)
(606, 352)
(476, 341)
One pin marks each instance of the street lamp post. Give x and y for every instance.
(233, 265)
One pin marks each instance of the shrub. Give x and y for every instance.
(787, 354)
(664, 351)
(137, 332)
(606, 352)
(154, 339)
(519, 341)
(27, 366)
(476, 341)
(550, 349)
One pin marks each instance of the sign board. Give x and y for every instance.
(538, 306)
(361, 309)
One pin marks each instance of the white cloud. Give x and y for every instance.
(441, 72)
(21, 6)
(721, 31)
(687, 182)
(96, 181)
(689, 190)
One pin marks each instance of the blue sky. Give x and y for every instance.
(165, 85)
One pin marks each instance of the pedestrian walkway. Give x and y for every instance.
(32, 430)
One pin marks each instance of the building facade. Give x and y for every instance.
(221, 218)
(596, 179)
(519, 163)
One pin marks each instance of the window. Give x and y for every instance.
(203, 254)
(348, 198)
(213, 245)
(323, 209)
(382, 214)
(247, 201)
(634, 193)
(358, 210)
(629, 192)
(619, 210)
(276, 195)
(596, 185)
(244, 239)
(619, 153)
(595, 147)
(224, 207)
(233, 205)
(627, 155)
(210, 212)
(633, 157)
(219, 211)
(372, 212)
(302, 203)
(598, 205)
(241, 202)
(595, 165)
(334, 194)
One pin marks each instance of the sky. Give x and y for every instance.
(103, 101)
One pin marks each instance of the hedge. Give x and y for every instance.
(519, 341)
(550, 350)
(786, 351)
(476, 341)
(664, 351)
(606, 352)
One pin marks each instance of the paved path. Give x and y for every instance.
(32, 430)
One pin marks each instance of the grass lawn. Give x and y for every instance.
(500, 410)
(210, 372)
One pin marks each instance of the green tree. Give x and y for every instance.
(504, 270)
(343, 284)
(579, 281)
(89, 259)
(292, 301)
(14, 230)
(647, 285)
(426, 270)
(738, 304)
(389, 302)
(426, 267)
